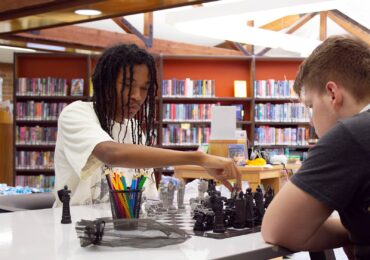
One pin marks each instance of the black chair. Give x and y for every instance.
(12, 203)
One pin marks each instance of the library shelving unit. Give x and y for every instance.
(279, 118)
(222, 71)
(42, 87)
(290, 122)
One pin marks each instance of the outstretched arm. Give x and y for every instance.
(298, 221)
(139, 156)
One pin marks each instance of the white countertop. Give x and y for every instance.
(38, 234)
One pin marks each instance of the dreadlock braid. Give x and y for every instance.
(104, 99)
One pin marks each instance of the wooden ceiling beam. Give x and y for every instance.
(129, 28)
(281, 23)
(12, 9)
(118, 21)
(148, 24)
(294, 27)
(63, 14)
(250, 47)
(350, 25)
(93, 39)
(323, 25)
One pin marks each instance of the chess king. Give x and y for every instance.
(64, 197)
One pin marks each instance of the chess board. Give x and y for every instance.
(186, 222)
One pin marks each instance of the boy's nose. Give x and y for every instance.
(135, 94)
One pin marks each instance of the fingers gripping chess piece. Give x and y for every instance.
(64, 197)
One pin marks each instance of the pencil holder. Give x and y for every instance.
(125, 204)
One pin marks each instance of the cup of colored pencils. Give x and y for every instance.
(125, 201)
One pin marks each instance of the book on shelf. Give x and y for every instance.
(32, 160)
(266, 135)
(32, 110)
(287, 112)
(272, 88)
(185, 134)
(240, 88)
(49, 86)
(77, 87)
(239, 112)
(35, 181)
(187, 112)
(237, 152)
(35, 135)
(188, 88)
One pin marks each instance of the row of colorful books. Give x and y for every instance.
(287, 112)
(188, 88)
(196, 112)
(185, 134)
(32, 110)
(37, 181)
(272, 88)
(266, 135)
(35, 135)
(34, 159)
(49, 86)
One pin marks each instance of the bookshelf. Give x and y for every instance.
(42, 83)
(277, 112)
(280, 121)
(182, 115)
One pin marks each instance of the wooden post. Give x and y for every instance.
(6, 148)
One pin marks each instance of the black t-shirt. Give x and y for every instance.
(337, 173)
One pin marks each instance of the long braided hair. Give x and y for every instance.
(104, 99)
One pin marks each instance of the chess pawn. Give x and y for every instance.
(269, 195)
(171, 193)
(180, 196)
(64, 197)
(202, 188)
(162, 188)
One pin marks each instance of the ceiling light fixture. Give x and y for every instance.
(16, 48)
(89, 12)
(45, 47)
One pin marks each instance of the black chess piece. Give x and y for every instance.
(211, 187)
(217, 206)
(210, 220)
(249, 208)
(269, 195)
(240, 218)
(260, 207)
(64, 197)
(199, 217)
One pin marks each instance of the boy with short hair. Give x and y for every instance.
(334, 82)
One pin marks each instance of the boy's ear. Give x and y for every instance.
(335, 93)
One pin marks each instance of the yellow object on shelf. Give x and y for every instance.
(256, 162)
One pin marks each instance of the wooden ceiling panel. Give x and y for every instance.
(59, 15)
(97, 40)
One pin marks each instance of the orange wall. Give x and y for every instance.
(278, 70)
(224, 72)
